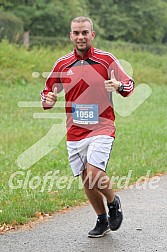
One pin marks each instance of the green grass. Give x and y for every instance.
(140, 143)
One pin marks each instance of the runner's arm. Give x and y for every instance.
(53, 86)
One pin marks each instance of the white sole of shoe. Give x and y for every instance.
(98, 236)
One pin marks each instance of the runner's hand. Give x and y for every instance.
(51, 97)
(112, 84)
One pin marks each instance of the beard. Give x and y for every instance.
(83, 49)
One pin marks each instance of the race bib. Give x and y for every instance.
(85, 113)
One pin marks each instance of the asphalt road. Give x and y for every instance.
(144, 228)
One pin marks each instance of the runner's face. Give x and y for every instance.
(82, 36)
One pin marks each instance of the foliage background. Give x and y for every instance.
(139, 21)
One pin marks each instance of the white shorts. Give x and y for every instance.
(93, 150)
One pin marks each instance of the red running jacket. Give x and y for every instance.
(89, 108)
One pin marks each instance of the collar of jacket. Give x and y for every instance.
(89, 53)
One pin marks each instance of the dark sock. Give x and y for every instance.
(102, 217)
(112, 203)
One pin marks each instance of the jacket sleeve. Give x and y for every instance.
(52, 81)
(123, 77)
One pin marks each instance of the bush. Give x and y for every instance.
(11, 27)
(48, 41)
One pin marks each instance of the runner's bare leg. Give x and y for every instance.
(95, 193)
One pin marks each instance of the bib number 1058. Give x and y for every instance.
(85, 114)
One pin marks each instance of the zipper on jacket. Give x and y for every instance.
(82, 62)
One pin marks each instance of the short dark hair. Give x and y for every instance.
(82, 19)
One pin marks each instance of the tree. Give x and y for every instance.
(141, 21)
(47, 17)
(11, 27)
